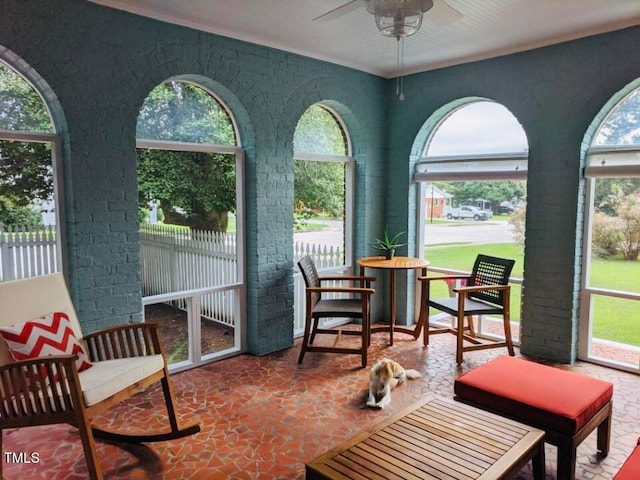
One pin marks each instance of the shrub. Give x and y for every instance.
(606, 236)
(517, 220)
(628, 211)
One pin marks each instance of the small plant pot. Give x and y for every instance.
(389, 254)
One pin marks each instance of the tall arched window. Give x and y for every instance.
(30, 224)
(472, 178)
(323, 191)
(610, 300)
(190, 186)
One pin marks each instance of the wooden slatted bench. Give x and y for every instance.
(435, 439)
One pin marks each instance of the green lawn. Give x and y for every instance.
(614, 319)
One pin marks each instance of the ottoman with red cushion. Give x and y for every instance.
(631, 468)
(566, 405)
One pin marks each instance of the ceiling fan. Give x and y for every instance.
(398, 19)
(440, 12)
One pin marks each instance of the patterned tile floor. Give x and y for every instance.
(264, 417)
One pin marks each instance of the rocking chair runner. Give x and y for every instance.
(318, 307)
(487, 292)
(48, 390)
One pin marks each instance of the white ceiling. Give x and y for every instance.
(488, 28)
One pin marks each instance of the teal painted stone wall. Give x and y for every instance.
(96, 65)
(555, 93)
(99, 64)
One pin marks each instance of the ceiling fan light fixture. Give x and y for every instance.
(398, 18)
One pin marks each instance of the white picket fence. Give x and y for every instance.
(328, 261)
(175, 259)
(27, 251)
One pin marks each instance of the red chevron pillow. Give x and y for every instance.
(51, 335)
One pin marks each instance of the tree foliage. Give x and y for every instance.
(26, 174)
(465, 193)
(319, 186)
(193, 188)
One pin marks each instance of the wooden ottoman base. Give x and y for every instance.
(566, 405)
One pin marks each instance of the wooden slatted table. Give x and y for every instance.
(435, 439)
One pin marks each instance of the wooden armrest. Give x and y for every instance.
(480, 288)
(39, 387)
(430, 278)
(348, 277)
(124, 341)
(366, 291)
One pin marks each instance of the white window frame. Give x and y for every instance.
(193, 297)
(460, 168)
(58, 183)
(603, 161)
(349, 205)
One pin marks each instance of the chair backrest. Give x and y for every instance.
(31, 298)
(310, 275)
(489, 270)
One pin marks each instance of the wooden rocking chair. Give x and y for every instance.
(49, 390)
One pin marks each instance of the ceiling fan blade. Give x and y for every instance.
(338, 11)
(442, 13)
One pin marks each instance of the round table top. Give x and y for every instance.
(396, 263)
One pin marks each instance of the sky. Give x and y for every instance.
(477, 128)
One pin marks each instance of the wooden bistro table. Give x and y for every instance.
(436, 439)
(393, 265)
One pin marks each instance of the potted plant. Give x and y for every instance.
(388, 244)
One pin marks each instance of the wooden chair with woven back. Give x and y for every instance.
(50, 373)
(485, 292)
(317, 307)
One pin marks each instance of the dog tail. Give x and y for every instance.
(411, 374)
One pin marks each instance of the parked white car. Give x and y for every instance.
(465, 211)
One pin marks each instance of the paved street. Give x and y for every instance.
(491, 231)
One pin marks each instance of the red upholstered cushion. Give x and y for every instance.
(50, 335)
(539, 395)
(631, 468)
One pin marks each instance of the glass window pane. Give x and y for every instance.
(319, 228)
(188, 233)
(622, 125)
(319, 132)
(218, 322)
(174, 333)
(615, 330)
(183, 112)
(615, 240)
(21, 108)
(478, 128)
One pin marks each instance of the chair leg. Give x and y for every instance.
(305, 339)
(314, 331)
(566, 461)
(459, 339)
(472, 330)
(89, 446)
(507, 334)
(423, 319)
(604, 436)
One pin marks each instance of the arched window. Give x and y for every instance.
(190, 187)
(472, 178)
(323, 190)
(30, 223)
(610, 297)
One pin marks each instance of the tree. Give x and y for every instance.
(196, 189)
(26, 174)
(193, 188)
(628, 210)
(465, 193)
(622, 126)
(319, 186)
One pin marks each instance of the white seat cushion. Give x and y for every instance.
(108, 377)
